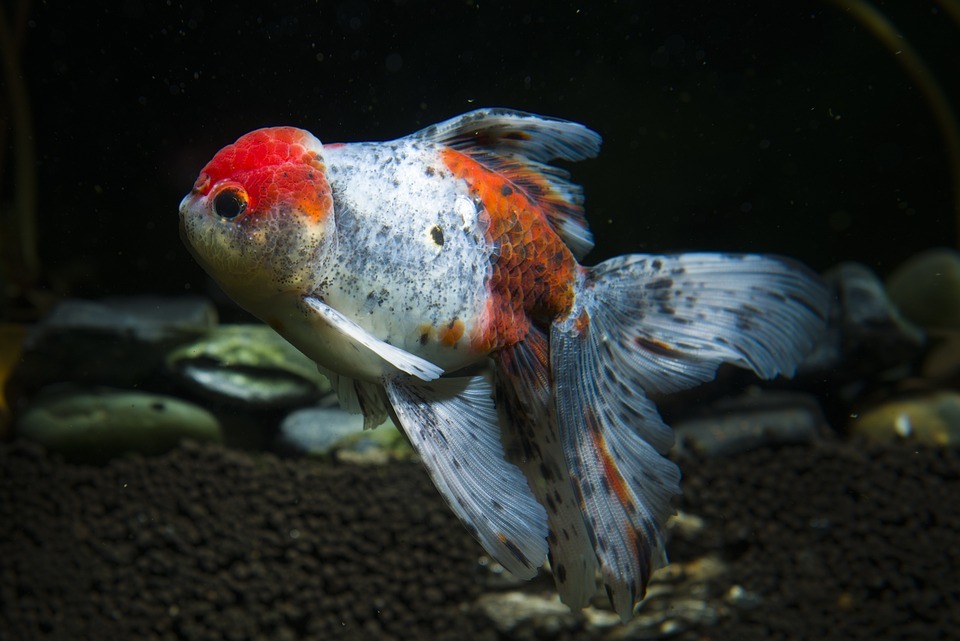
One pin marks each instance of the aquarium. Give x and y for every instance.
(367, 320)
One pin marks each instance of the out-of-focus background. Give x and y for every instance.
(782, 127)
(167, 472)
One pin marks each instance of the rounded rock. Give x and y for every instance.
(931, 420)
(96, 425)
(250, 366)
(926, 288)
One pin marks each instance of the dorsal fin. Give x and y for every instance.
(519, 145)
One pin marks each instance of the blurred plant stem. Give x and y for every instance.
(18, 225)
(878, 25)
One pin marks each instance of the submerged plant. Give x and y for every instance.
(18, 224)
(881, 28)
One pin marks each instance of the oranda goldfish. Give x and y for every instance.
(435, 279)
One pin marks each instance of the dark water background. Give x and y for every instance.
(739, 125)
(748, 126)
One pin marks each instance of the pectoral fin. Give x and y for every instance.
(401, 359)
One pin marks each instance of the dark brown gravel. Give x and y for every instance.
(205, 543)
(840, 541)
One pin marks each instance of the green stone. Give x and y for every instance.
(251, 365)
(926, 288)
(95, 425)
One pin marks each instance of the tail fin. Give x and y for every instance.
(645, 324)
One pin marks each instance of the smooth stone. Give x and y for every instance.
(942, 361)
(744, 599)
(926, 288)
(97, 424)
(375, 447)
(523, 615)
(119, 342)
(754, 420)
(933, 419)
(248, 366)
(866, 333)
(317, 431)
(682, 596)
(148, 319)
(321, 431)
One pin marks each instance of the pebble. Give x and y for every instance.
(248, 366)
(942, 361)
(524, 615)
(96, 425)
(866, 333)
(681, 597)
(119, 342)
(147, 319)
(756, 419)
(932, 419)
(316, 431)
(926, 288)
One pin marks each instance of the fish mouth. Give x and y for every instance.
(185, 239)
(185, 235)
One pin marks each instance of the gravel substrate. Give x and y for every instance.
(837, 542)
(206, 543)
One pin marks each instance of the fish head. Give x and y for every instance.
(259, 218)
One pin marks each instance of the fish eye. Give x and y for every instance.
(230, 203)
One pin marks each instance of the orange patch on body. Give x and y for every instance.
(451, 333)
(533, 270)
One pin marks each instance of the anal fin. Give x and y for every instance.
(454, 427)
(359, 397)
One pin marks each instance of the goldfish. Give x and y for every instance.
(436, 279)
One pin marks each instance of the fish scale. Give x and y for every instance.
(532, 267)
